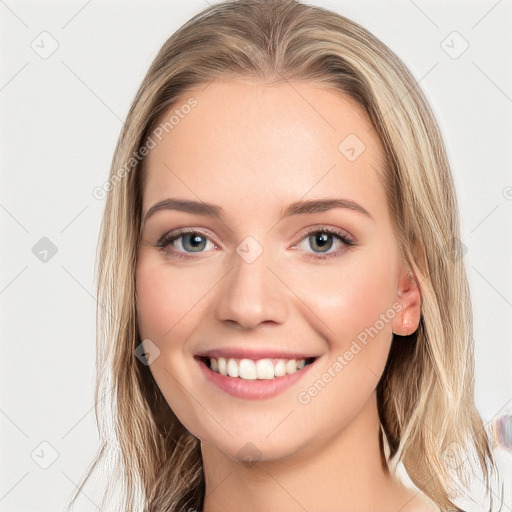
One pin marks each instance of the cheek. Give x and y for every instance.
(156, 305)
(165, 297)
(167, 304)
(352, 297)
(354, 313)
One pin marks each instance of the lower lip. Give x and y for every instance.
(253, 389)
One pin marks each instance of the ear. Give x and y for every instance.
(408, 295)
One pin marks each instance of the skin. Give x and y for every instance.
(253, 149)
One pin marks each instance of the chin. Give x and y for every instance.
(251, 450)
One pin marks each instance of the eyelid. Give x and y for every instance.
(315, 228)
(175, 233)
(169, 237)
(343, 236)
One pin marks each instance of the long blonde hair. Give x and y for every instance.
(426, 394)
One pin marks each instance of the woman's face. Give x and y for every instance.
(259, 277)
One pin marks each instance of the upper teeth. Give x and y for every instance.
(260, 369)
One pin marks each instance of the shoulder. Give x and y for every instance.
(418, 502)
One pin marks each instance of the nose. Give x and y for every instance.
(251, 294)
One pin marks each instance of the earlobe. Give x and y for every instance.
(408, 295)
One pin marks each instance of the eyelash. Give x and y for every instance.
(167, 239)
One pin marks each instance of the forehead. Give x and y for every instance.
(243, 143)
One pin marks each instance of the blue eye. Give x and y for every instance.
(323, 238)
(324, 241)
(184, 243)
(195, 241)
(190, 241)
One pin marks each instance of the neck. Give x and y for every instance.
(341, 472)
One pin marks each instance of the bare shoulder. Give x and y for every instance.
(418, 502)
(408, 498)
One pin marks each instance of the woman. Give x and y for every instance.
(285, 313)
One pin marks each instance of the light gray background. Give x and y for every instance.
(60, 118)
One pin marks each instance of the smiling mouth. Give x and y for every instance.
(250, 369)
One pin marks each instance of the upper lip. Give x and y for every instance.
(254, 353)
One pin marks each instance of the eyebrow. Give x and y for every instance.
(302, 207)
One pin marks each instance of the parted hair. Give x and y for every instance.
(426, 394)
